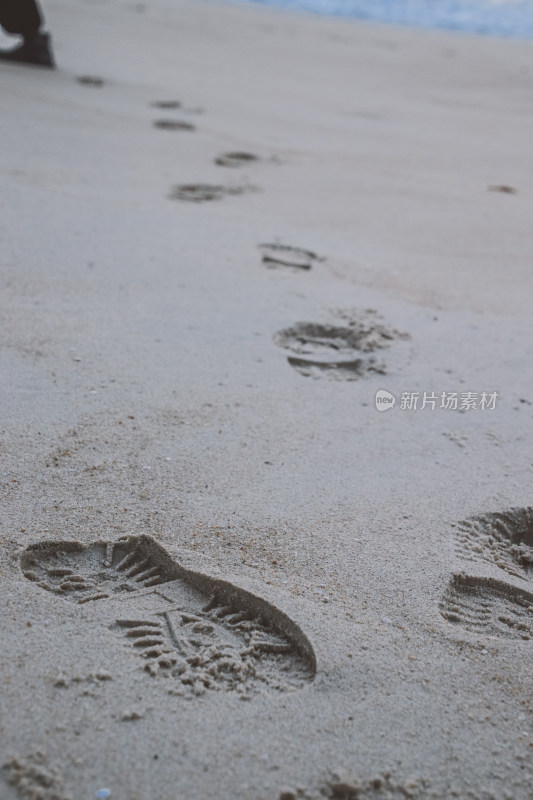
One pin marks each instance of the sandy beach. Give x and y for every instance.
(224, 573)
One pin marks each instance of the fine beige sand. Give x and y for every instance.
(224, 574)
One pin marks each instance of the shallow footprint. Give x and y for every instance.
(204, 633)
(91, 80)
(173, 125)
(168, 105)
(337, 370)
(503, 189)
(205, 192)
(235, 159)
(334, 351)
(487, 606)
(284, 255)
(504, 539)
(174, 105)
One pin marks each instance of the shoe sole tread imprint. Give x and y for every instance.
(202, 633)
(343, 352)
(503, 539)
(487, 606)
(497, 601)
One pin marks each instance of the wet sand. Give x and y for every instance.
(217, 247)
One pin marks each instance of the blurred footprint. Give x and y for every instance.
(166, 104)
(503, 189)
(91, 80)
(338, 352)
(235, 159)
(173, 125)
(284, 255)
(205, 192)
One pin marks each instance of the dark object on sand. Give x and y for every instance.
(23, 17)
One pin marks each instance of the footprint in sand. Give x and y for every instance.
(173, 125)
(488, 607)
(174, 105)
(91, 80)
(205, 192)
(204, 633)
(338, 352)
(485, 605)
(235, 159)
(503, 539)
(503, 189)
(283, 255)
(168, 105)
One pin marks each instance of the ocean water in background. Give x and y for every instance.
(511, 18)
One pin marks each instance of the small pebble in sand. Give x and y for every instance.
(103, 794)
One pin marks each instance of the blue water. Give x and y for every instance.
(513, 18)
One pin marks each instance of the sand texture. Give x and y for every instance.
(224, 574)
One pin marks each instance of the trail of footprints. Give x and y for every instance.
(204, 634)
(220, 642)
(488, 605)
(203, 192)
(317, 350)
